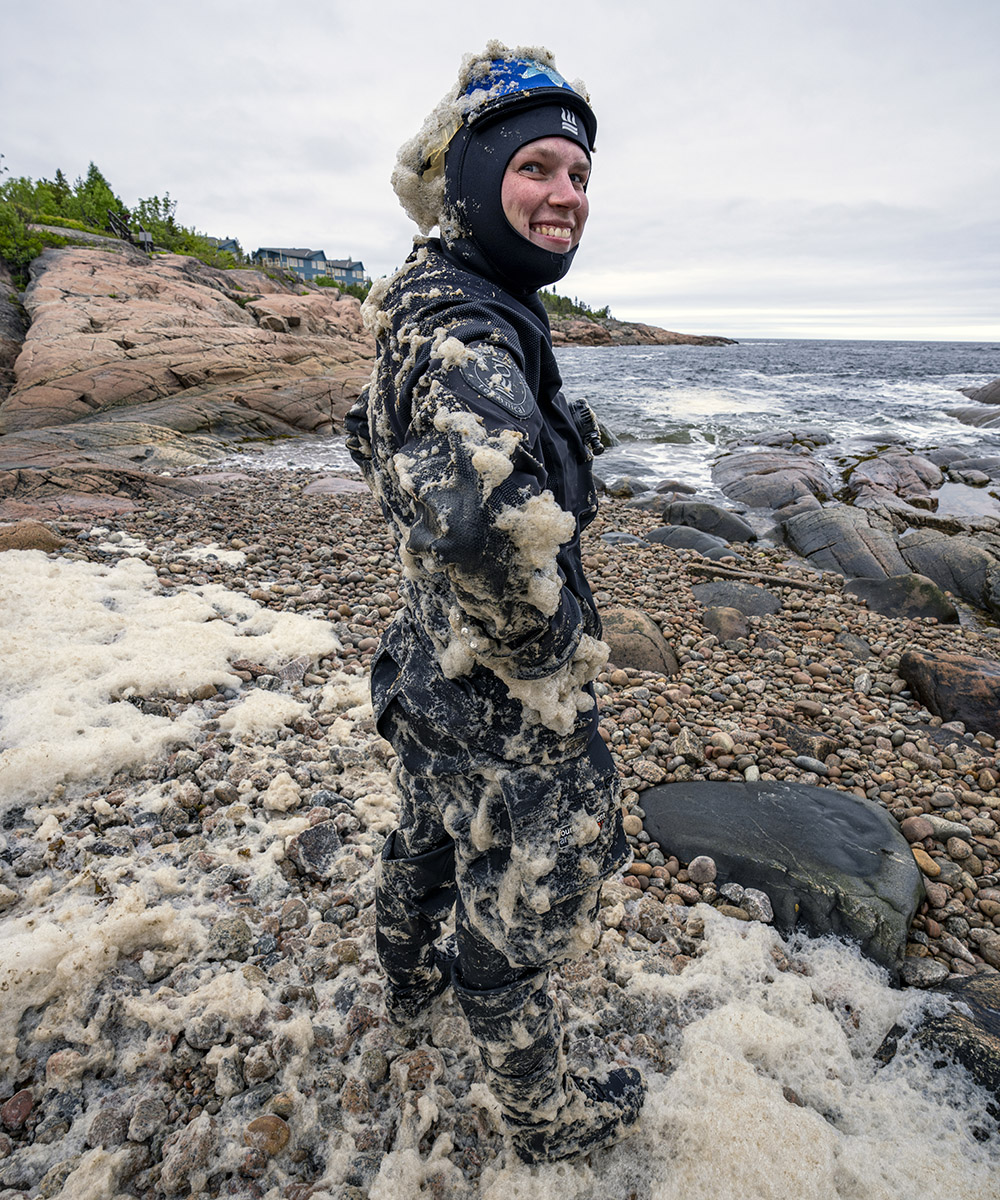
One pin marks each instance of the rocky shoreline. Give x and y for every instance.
(607, 331)
(190, 812)
(235, 1042)
(127, 367)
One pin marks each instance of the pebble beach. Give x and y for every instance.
(224, 1036)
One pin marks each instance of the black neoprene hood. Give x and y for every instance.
(474, 169)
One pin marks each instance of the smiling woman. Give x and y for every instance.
(544, 193)
(483, 684)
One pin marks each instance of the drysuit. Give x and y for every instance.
(473, 452)
(483, 683)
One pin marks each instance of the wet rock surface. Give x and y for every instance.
(828, 860)
(242, 996)
(883, 522)
(969, 1031)
(989, 393)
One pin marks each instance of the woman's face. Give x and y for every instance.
(544, 193)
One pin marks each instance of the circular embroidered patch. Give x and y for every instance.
(493, 373)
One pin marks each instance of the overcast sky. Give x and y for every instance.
(790, 168)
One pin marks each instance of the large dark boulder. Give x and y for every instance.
(968, 567)
(635, 640)
(969, 1032)
(857, 543)
(830, 861)
(709, 518)
(981, 418)
(955, 687)
(910, 596)
(989, 393)
(771, 478)
(751, 600)
(682, 537)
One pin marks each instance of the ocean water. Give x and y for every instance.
(673, 409)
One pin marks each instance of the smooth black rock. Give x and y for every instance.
(709, 518)
(684, 537)
(909, 596)
(830, 861)
(751, 600)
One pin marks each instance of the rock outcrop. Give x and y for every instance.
(108, 332)
(881, 524)
(772, 478)
(955, 687)
(989, 393)
(606, 331)
(134, 365)
(855, 542)
(894, 475)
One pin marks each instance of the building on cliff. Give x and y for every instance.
(310, 264)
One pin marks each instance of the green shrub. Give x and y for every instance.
(84, 207)
(61, 222)
(563, 306)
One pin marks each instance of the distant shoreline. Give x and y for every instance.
(607, 331)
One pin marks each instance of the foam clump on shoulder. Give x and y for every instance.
(421, 191)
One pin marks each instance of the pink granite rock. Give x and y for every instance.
(108, 332)
(134, 368)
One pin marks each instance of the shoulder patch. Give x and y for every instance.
(494, 374)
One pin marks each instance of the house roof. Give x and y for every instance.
(292, 251)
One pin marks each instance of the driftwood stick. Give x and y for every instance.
(753, 576)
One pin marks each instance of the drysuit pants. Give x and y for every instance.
(519, 848)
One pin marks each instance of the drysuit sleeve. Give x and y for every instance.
(482, 513)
